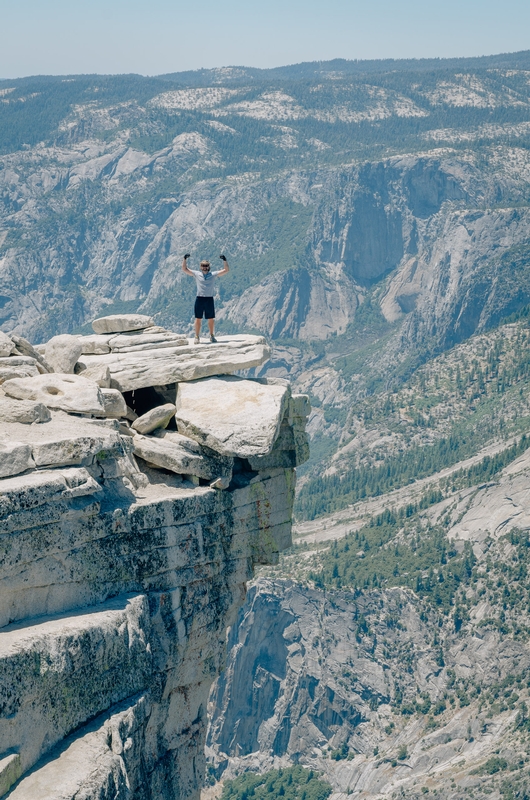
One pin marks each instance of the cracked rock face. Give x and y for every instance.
(119, 577)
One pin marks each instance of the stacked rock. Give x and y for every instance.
(179, 403)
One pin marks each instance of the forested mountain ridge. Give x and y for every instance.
(106, 180)
(373, 217)
(376, 216)
(390, 649)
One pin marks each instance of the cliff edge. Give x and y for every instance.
(140, 482)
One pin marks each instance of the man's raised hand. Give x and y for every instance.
(223, 258)
(187, 256)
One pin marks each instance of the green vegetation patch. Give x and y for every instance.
(397, 548)
(294, 783)
(446, 412)
(370, 558)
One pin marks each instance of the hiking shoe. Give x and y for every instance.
(196, 340)
(213, 339)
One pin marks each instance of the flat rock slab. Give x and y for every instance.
(155, 418)
(117, 323)
(157, 367)
(64, 441)
(71, 393)
(176, 453)
(18, 367)
(233, 416)
(95, 344)
(24, 371)
(131, 342)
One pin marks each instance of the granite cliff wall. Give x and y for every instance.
(119, 574)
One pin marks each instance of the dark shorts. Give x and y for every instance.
(204, 307)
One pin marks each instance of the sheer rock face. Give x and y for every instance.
(117, 584)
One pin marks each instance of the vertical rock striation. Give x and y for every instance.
(117, 584)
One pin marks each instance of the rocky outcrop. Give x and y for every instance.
(151, 365)
(118, 579)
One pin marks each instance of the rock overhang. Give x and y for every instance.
(93, 511)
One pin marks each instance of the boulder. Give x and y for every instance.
(99, 373)
(167, 365)
(24, 411)
(15, 457)
(71, 393)
(169, 450)
(114, 403)
(7, 344)
(233, 416)
(116, 323)
(155, 418)
(62, 352)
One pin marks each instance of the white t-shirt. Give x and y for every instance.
(205, 282)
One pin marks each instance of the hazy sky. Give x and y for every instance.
(117, 36)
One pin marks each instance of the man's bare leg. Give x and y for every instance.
(197, 328)
(211, 326)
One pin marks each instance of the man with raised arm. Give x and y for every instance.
(204, 305)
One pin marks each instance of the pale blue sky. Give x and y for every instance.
(118, 36)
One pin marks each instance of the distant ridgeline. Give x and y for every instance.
(377, 219)
(33, 108)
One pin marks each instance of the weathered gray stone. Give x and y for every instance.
(67, 392)
(232, 416)
(99, 373)
(74, 441)
(174, 364)
(10, 772)
(15, 457)
(155, 418)
(103, 761)
(116, 323)
(7, 344)
(95, 659)
(95, 343)
(25, 371)
(62, 353)
(114, 403)
(131, 415)
(24, 348)
(220, 483)
(18, 361)
(155, 329)
(179, 454)
(299, 405)
(87, 525)
(128, 343)
(22, 411)
(18, 367)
